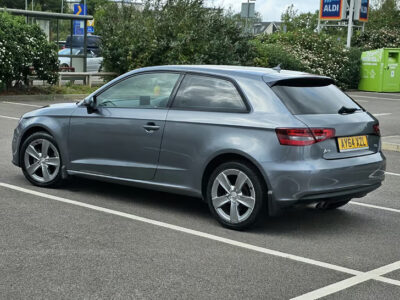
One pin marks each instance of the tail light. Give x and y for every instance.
(377, 130)
(303, 136)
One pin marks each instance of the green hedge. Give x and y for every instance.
(23, 47)
(303, 50)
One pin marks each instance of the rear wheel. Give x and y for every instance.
(326, 205)
(235, 195)
(41, 160)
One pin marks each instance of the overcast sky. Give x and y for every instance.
(270, 10)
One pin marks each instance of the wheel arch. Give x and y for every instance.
(231, 156)
(27, 133)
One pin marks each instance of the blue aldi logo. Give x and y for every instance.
(364, 9)
(332, 10)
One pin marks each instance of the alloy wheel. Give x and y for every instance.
(233, 196)
(42, 160)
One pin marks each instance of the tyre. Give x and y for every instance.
(40, 160)
(235, 195)
(326, 205)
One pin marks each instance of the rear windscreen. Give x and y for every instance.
(305, 100)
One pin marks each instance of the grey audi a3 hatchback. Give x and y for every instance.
(246, 140)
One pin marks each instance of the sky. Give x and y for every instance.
(271, 10)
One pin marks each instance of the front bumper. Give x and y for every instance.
(294, 182)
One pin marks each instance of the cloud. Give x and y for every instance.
(271, 10)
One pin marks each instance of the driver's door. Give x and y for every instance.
(122, 138)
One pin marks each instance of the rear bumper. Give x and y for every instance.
(292, 182)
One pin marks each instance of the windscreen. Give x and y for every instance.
(305, 100)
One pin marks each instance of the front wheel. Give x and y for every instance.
(235, 194)
(41, 160)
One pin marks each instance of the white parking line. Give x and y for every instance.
(187, 230)
(376, 206)
(382, 114)
(345, 284)
(361, 100)
(390, 173)
(200, 234)
(7, 117)
(374, 93)
(25, 104)
(380, 98)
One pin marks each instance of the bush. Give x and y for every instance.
(23, 47)
(169, 32)
(373, 39)
(272, 55)
(315, 53)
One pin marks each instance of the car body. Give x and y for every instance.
(170, 141)
(93, 42)
(93, 62)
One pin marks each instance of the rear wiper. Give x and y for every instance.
(346, 110)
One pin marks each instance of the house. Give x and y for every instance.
(266, 27)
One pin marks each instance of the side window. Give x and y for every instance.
(208, 93)
(150, 90)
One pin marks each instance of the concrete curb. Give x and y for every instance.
(50, 97)
(391, 147)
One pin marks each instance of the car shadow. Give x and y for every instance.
(290, 221)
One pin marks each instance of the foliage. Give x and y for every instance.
(22, 47)
(377, 38)
(271, 55)
(44, 5)
(315, 53)
(169, 32)
(93, 5)
(292, 20)
(384, 14)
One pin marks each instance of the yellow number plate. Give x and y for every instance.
(353, 143)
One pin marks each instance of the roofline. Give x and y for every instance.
(48, 15)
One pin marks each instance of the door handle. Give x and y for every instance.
(150, 127)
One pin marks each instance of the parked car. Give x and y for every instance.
(93, 63)
(243, 139)
(93, 43)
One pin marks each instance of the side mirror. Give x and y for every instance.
(90, 104)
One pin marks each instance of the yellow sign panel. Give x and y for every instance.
(90, 23)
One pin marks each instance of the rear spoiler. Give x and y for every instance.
(306, 81)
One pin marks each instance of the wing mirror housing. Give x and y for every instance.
(90, 104)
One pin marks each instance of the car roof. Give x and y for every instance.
(267, 74)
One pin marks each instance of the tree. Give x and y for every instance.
(93, 5)
(44, 5)
(293, 20)
(384, 14)
(172, 32)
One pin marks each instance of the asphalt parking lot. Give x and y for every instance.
(97, 240)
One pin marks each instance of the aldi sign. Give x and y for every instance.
(333, 10)
(361, 10)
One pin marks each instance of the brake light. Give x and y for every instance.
(377, 130)
(303, 136)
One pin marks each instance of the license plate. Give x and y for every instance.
(353, 143)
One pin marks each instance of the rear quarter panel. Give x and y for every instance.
(193, 138)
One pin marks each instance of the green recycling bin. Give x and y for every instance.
(380, 70)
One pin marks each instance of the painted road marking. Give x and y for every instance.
(362, 101)
(25, 104)
(7, 117)
(390, 173)
(389, 99)
(376, 206)
(200, 234)
(345, 284)
(382, 114)
(377, 94)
